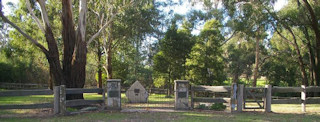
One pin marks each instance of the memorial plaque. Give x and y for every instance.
(137, 93)
(182, 94)
(113, 93)
(114, 86)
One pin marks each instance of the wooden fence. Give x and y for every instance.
(22, 85)
(26, 93)
(303, 100)
(59, 101)
(237, 95)
(217, 89)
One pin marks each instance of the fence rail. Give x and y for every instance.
(263, 92)
(213, 89)
(59, 103)
(26, 92)
(80, 90)
(22, 85)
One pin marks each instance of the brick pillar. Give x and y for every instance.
(114, 94)
(181, 95)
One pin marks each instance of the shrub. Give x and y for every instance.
(202, 106)
(218, 107)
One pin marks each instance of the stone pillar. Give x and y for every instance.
(181, 95)
(113, 94)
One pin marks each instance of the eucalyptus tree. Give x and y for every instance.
(169, 62)
(125, 24)
(72, 70)
(313, 8)
(284, 23)
(205, 63)
(246, 17)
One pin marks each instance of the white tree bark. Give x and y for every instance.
(34, 16)
(101, 29)
(82, 19)
(113, 13)
(44, 13)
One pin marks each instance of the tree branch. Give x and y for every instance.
(286, 39)
(234, 32)
(34, 16)
(101, 29)
(43, 49)
(44, 13)
(114, 13)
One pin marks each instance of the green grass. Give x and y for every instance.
(260, 82)
(175, 117)
(284, 112)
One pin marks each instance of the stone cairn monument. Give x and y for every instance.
(137, 93)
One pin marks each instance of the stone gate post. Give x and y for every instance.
(114, 94)
(181, 95)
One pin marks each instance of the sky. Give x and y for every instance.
(179, 9)
(183, 9)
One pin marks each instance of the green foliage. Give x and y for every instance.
(281, 72)
(218, 107)
(160, 81)
(201, 106)
(205, 64)
(104, 77)
(170, 61)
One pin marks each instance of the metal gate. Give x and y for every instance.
(254, 98)
(157, 99)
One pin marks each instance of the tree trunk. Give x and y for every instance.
(312, 65)
(69, 38)
(109, 60)
(256, 68)
(235, 78)
(300, 61)
(50, 80)
(312, 68)
(315, 27)
(99, 66)
(78, 73)
(109, 53)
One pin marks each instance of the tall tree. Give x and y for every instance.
(72, 71)
(315, 27)
(205, 64)
(174, 49)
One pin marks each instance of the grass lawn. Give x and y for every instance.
(286, 112)
(173, 116)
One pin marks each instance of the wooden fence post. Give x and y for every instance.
(268, 98)
(192, 96)
(233, 96)
(240, 98)
(63, 99)
(303, 98)
(56, 92)
(104, 98)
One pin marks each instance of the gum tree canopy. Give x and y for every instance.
(71, 72)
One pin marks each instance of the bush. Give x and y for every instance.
(202, 106)
(218, 107)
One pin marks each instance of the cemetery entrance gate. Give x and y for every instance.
(138, 97)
